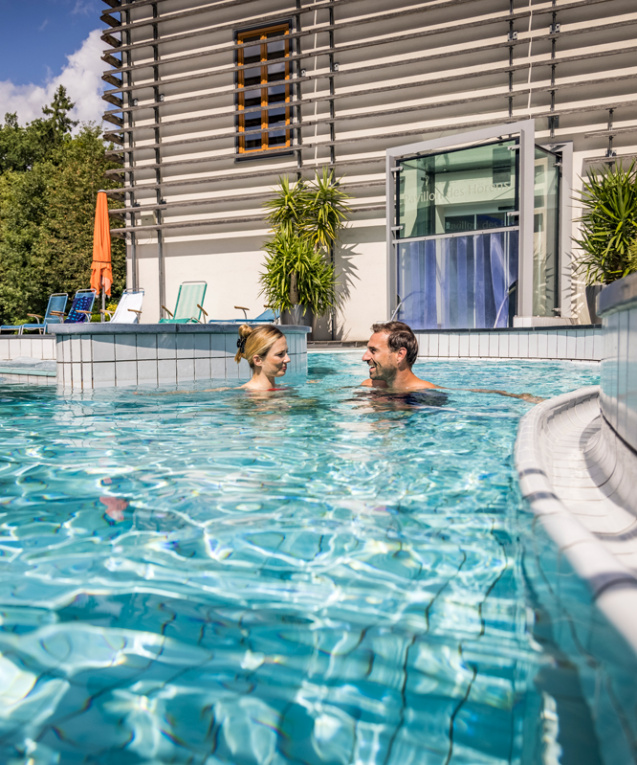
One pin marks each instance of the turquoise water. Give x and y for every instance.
(318, 576)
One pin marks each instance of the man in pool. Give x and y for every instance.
(392, 351)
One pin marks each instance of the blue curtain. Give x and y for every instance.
(460, 282)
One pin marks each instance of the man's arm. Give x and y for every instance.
(524, 396)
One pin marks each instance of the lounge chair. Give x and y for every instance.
(56, 305)
(80, 310)
(189, 305)
(129, 308)
(267, 317)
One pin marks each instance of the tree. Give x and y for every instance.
(22, 147)
(48, 188)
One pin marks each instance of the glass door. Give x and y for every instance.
(546, 274)
(456, 237)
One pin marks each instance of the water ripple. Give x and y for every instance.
(324, 577)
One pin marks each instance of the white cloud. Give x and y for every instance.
(82, 78)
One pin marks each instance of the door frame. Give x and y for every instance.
(524, 130)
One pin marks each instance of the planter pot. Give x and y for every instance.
(591, 292)
(298, 315)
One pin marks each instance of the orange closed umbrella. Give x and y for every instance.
(101, 268)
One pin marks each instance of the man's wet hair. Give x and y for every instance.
(400, 336)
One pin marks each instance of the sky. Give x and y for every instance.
(48, 43)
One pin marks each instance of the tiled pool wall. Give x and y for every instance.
(105, 356)
(28, 359)
(27, 346)
(617, 305)
(584, 343)
(101, 355)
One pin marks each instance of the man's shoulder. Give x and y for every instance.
(369, 383)
(419, 384)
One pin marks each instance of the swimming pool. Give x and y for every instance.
(319, 576)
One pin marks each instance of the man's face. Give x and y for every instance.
(382, 361)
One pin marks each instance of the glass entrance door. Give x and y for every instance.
(457, 237)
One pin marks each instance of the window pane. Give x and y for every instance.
(277, 94)
(277, 72)
(276, 50)
(251, 98)
(253, 141)
(252, 54)
(464, 190)
(277, 116)
(252, 120)
(278, 138)
(252, 77)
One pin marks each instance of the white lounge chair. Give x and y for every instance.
(129, 308)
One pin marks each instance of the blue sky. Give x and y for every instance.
(47, 43)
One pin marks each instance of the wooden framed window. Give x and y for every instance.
(263, 101)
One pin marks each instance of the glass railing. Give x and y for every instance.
(465, 281)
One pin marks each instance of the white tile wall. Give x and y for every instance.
(166, 346)
(551, 345)
(185, 369)
(104, 374)
(147, 371)
(103, 348)
(217, 367)
(185, 346)
(166, 372)
(126, 372)
(202, 346)
(147, 347)
(218, 345)
(203, 368)
(514, 345)
(125, 348)
(76, 350)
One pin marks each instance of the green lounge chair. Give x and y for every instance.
(189, 305)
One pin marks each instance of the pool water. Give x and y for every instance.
(322, 575)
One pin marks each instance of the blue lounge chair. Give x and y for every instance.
(80, 310)
(267, 317)
(189, 305)
(57, 303)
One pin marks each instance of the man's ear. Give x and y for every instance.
(401, 353)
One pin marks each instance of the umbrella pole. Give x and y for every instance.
(103, 315)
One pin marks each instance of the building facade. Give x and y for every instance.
(460, 128)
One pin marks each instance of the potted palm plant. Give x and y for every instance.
(305, 218)
(609, 228)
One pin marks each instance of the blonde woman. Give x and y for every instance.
(266, 350)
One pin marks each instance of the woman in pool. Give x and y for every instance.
(266, 351)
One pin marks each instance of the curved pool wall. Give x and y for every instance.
(576, 457)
